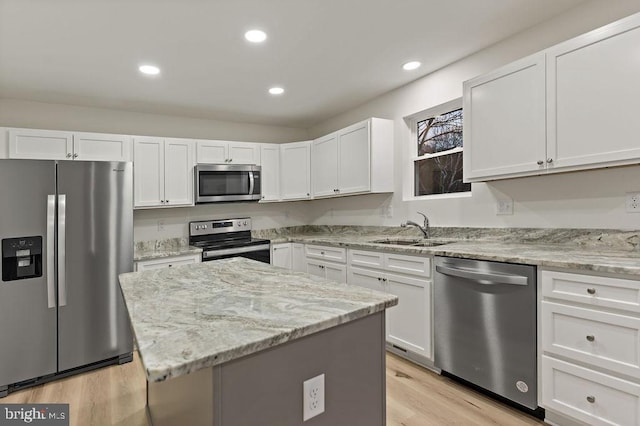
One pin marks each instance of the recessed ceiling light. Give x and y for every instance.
(255, 36)
(411, 65)
(149, 69)
(276, 90)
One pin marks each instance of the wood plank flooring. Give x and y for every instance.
(415, 397)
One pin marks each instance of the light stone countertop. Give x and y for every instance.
(197, 316)
(606, 251)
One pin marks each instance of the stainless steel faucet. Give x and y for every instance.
(424, 228)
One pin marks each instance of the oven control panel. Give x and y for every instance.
(222, 226)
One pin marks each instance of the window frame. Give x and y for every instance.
(411, 151)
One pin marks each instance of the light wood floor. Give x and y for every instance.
(415, 397)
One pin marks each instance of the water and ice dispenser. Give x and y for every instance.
(21, 258)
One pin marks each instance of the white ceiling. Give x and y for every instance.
(329, 55)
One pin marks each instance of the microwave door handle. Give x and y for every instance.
(251, 183)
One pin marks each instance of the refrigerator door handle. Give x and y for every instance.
(51, 241)
(62, 258)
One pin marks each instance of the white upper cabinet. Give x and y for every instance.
(594, 97)
(178, 172)
(356, 159)
(570, 107)
(216, 152)
(295, 175)
(101, 147)
(324, 165)
(163, 172)
(270, 155)
(58, 145)
(504, 120)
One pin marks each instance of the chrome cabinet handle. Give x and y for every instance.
(591, 290)
(549, 160)
(540, 162)
(384, 280)
(75, 155)
(170, 265)
(166, 201)
(308, 194)
(591, 399)
(591, 338)
(68, 155)
(379, 279)
(322, 253)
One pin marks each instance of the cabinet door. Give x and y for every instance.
(335, 272)
(244, 153)
(212, 152)
(324, 165)
(298, 258)
(316, 268)
(178, 172)
(409, 323)
(270, 154)
(101, 147)
(594, 97)
(281, 255)
(148, 172)
(354, 159)
(40, 144)
(365, 278)
(295, 171)
(504, 121)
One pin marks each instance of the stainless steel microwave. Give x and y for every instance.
(219, 183)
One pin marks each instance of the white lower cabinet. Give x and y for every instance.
(167, 262)
(409, 324)
(298, 258)
(327, 262)
(589, 334)
(281, 255)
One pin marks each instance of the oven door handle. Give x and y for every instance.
(483, 277)
(251, 183)
(237, 250)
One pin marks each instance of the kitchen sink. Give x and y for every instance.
(414, 243)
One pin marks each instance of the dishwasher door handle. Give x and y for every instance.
(488, 278)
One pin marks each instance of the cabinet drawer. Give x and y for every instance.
(608, 340)
(170, 262)
(414, 265)
(335, 254)
(369, 259)
(597, 291)
(592, 397)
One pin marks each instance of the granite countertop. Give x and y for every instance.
(157, 249)
(608, 251)
(201, 315)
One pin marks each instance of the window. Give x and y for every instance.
(437, 153)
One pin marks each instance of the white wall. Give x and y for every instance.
(593, 199)
(39, 115)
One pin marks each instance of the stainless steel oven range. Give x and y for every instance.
(220, 239)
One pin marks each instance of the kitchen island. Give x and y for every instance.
(230, 342)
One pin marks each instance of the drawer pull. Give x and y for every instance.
(591, 338)
(591, 290)
(591, 399)
(322, 253)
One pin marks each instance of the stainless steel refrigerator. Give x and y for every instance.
(67, 232)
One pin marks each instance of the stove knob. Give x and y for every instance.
(245, 223)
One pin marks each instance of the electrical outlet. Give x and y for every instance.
(504, 206)
(312, 397)
(161, 225)
(633, 202)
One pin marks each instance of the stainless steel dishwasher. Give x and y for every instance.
(485, 326)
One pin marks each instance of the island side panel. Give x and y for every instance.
(183, 400)
(266, 388)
